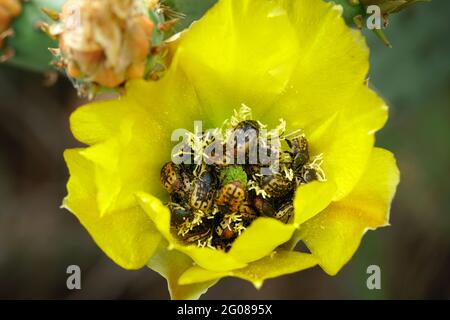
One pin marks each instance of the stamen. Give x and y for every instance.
(254, 186)
(288, 172)
(244, 113)
(206, 243)
(316, 164)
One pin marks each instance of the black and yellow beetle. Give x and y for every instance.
(171, 177)
(203, 190)
(231, 196)
(197, 233)
(245, 139)
(179, 214)
(247, 212)
(176, 179)
(264, 206)
(274, 209)
(225, 229)
(309, 175)
(276, 185)
(299, 152)
(285, 212)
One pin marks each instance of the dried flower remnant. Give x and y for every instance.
(104, 43)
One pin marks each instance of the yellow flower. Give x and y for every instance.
(295, 60)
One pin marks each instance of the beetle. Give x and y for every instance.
(268, 208)
(171, 177)
(309, 175)
(225, 229)
(231, 196)
(285, 212)
(247, 212)
(179, 214)
(221, 244)
(248, 125)
(276, 185)
(197, 233)
(299, 152)
(264, 206)
(244, 140)
(176, 179)
(203, 191)
(252, 169)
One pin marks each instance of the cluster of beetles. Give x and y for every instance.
(214, 205)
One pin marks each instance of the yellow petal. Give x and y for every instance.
(125, 140)
(97, 121)
(345, 144)
(331, 70)
(154, 108)
(127, 236)
(327, 95)
(260, 239)
(332, 64)
(171, 102)
(275, 265)
(312, 198)
(241, 51)
(171, 264)
(334, 235)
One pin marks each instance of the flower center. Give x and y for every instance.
(221, 180)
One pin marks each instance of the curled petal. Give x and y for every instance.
(260, 239)
(334, 235)
(171, 264)
(205, 257)
(257, 241)
(127, 236)
(312, 198)
(277, 264)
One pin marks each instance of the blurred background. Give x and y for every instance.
(38, 240)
